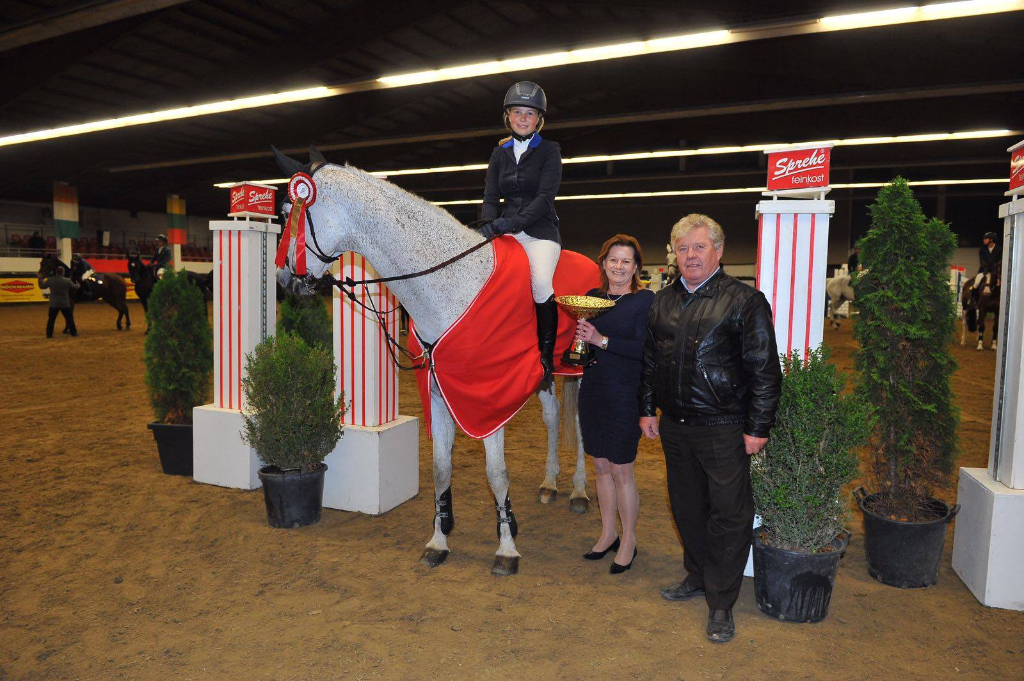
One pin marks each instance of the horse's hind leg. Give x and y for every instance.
(995, 329)
(549, 411)
(442, 428)
(981, 329)
(579, 502)
(506, 559)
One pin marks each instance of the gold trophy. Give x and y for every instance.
(580, 353)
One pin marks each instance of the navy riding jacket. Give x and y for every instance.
(528, 187)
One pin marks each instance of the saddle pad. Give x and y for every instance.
(487, 363)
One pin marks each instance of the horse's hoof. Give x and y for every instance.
(505, 566)
(579, 505)
(433, 557)
(546, 496)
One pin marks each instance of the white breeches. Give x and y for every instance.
(543, 255)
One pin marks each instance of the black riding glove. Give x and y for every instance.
(495, 227)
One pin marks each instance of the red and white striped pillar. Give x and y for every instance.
(364, 369)
(792, 249)
(375, 465)
(792, 245)
(244, 297)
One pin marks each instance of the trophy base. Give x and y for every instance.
(578, 359)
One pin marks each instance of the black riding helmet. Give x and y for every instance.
(76, 257)
(990, 235)
(528, 94)
(161, 237)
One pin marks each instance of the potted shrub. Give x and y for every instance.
(179, 362)
(307, 318)
(798, 483)
(293, 422)
(906, 325)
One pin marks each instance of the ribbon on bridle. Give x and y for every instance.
(302, 194)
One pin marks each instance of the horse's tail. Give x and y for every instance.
(568, 434)
(971, 318)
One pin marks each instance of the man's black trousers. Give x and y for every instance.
(69, 319)
(709, 489)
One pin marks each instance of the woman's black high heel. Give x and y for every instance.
(617, 569)
(598, 555)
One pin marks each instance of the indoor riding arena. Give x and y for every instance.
(189, 187)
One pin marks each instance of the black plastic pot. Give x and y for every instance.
(904, 554)
(293, 498)
(796, 586)
(174, 444)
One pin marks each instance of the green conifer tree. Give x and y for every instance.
(307, 318)
(906, 323)
(179, 348)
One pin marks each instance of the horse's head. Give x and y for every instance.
(134, 265)
(324, 236)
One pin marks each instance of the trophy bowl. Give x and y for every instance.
(580, 353)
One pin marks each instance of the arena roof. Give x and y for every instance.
(65, 63)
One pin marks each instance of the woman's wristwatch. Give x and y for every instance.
(604, 342)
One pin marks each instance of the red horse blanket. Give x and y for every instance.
(487, 363)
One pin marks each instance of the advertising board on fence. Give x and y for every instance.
(26, 290)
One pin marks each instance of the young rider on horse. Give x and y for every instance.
(526, 171)
(160, 260)
(990, 260)
(81, 272)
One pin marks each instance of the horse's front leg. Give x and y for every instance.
(549, 410)
(442, 428)
(981, 329)
(506, 559)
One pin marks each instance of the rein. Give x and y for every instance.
(348, 286)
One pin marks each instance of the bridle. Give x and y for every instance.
(347, 286)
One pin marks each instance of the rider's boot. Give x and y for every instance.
(547, 329)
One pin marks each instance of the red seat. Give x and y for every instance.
(15, 240)
(51, 242)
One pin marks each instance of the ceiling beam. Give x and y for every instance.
(842, 100)
(76, 18)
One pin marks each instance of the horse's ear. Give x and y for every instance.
(288, 165)
(315, 156)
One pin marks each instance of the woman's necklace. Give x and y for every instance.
(609, 295)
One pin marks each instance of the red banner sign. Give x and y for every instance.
(254, 199)
(798, 169)
(1017, 169)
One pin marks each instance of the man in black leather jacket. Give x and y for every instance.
(712, 367)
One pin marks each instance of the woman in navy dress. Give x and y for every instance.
(609, 414)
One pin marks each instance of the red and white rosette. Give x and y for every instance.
(302, 194)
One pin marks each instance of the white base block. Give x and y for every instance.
(988, 548)
(219, 457)
(373, 469)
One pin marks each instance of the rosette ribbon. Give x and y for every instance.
(302, 194)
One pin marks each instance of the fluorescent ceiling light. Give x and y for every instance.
(705, 151)
(638, 48)
(905, 15)
(171, 115)
(686, 41)
(734, 190)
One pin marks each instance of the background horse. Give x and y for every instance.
(839, 290)
(144, 278)
(977, 303)
(107, 287)
(401, 233)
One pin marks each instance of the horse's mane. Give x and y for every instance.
(384, 194)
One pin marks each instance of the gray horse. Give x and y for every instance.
(839, 290)
(401, 233)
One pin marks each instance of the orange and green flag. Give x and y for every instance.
(65, 210)
(177, 223)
